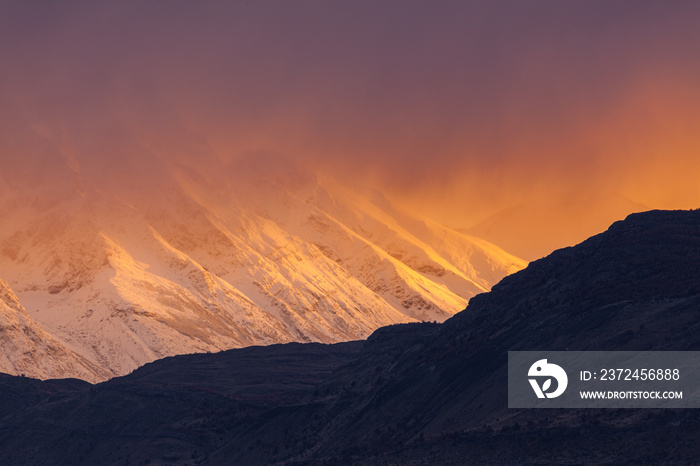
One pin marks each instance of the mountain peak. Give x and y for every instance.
(260, 253)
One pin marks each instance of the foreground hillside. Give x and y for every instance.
(410, 394)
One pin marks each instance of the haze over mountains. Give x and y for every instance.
(544, 225)
(116, 267)
(142, 217)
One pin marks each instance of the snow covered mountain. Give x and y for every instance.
(257, 252)
(27, 349)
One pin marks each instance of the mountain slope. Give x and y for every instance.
(28, 350)
(246, 256)
(414, 393)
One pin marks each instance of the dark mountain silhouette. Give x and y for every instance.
(410, 394)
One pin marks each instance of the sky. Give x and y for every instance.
(575, 112)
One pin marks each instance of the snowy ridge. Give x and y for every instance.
(27, 349)
(245, 258)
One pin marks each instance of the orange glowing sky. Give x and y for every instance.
(547, 119)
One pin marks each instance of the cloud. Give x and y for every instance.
(457, 109)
